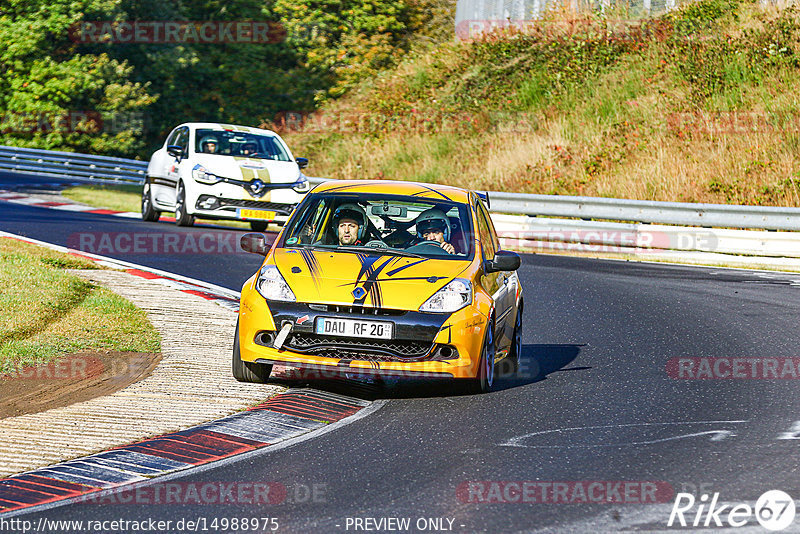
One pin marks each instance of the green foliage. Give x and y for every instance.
(345, 41)
(59, 92)
(52, 95)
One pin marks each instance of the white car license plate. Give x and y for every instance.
(334, 326)
(257, 214)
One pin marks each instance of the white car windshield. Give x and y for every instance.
(240, 144)
(385, 224)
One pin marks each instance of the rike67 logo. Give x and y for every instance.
(774, 510)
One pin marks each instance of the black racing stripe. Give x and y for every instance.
(404, 278)
(430, 189)
(397, 270)
(342, 187)
(369, 272)
(312, 264)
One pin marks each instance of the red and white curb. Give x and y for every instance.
(293, 415)
(64, 205)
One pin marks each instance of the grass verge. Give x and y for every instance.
(119, 197)
(47, 313)
(123, 197)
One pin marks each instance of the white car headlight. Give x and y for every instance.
(450, 298)
(200, 174)
(271, 285)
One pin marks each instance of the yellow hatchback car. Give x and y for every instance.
(386, 278)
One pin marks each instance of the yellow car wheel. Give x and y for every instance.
(485, 379)
(516, 347)
(257, 373)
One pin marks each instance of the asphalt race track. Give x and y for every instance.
(598, 404)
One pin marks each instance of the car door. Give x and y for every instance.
(493, 283)
(173, 165)
(157, 170)
(508, 281)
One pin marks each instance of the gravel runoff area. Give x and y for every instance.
(191, 385)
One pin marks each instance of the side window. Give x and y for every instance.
(492, 232)
(484, 230)
(183, 139)
(310, 228)
(172, 139)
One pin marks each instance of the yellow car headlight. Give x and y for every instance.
(271, 285)
(452, 297)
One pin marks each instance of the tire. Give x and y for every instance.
(485, 380)
(182, 217)
(516, 348)
(258, 226)
(149, 213)
(256, 373)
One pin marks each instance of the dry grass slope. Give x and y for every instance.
(700, 105)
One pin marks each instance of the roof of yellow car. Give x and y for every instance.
(399, 187)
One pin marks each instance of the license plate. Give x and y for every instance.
(334, 326)
(257, 214)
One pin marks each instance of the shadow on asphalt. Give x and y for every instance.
(536, 363)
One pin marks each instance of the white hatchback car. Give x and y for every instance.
(222, 171)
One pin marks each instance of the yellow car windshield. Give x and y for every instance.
(382, 223)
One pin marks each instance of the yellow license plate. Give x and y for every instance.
(257, 214)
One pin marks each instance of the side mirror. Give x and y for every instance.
(302, 162)
(504, 260)
(175, 151)
(255, 243)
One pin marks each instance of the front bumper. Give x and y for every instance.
(423, 345)
(212, 207)
(226, 201)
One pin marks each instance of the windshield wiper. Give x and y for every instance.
(361, 249)
(378, 250)
(327, 248)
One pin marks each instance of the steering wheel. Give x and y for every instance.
(426, 247)
(376, 243)
(252, 154)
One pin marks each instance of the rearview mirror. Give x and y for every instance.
(255, 243)
(504, 260)
(175, 151)
(389, 211)
(302, 162)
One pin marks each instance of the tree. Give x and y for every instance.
(54, 97)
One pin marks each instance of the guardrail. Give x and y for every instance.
(79, 167)
(536, 234)
(618, 229)
(675, 213)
